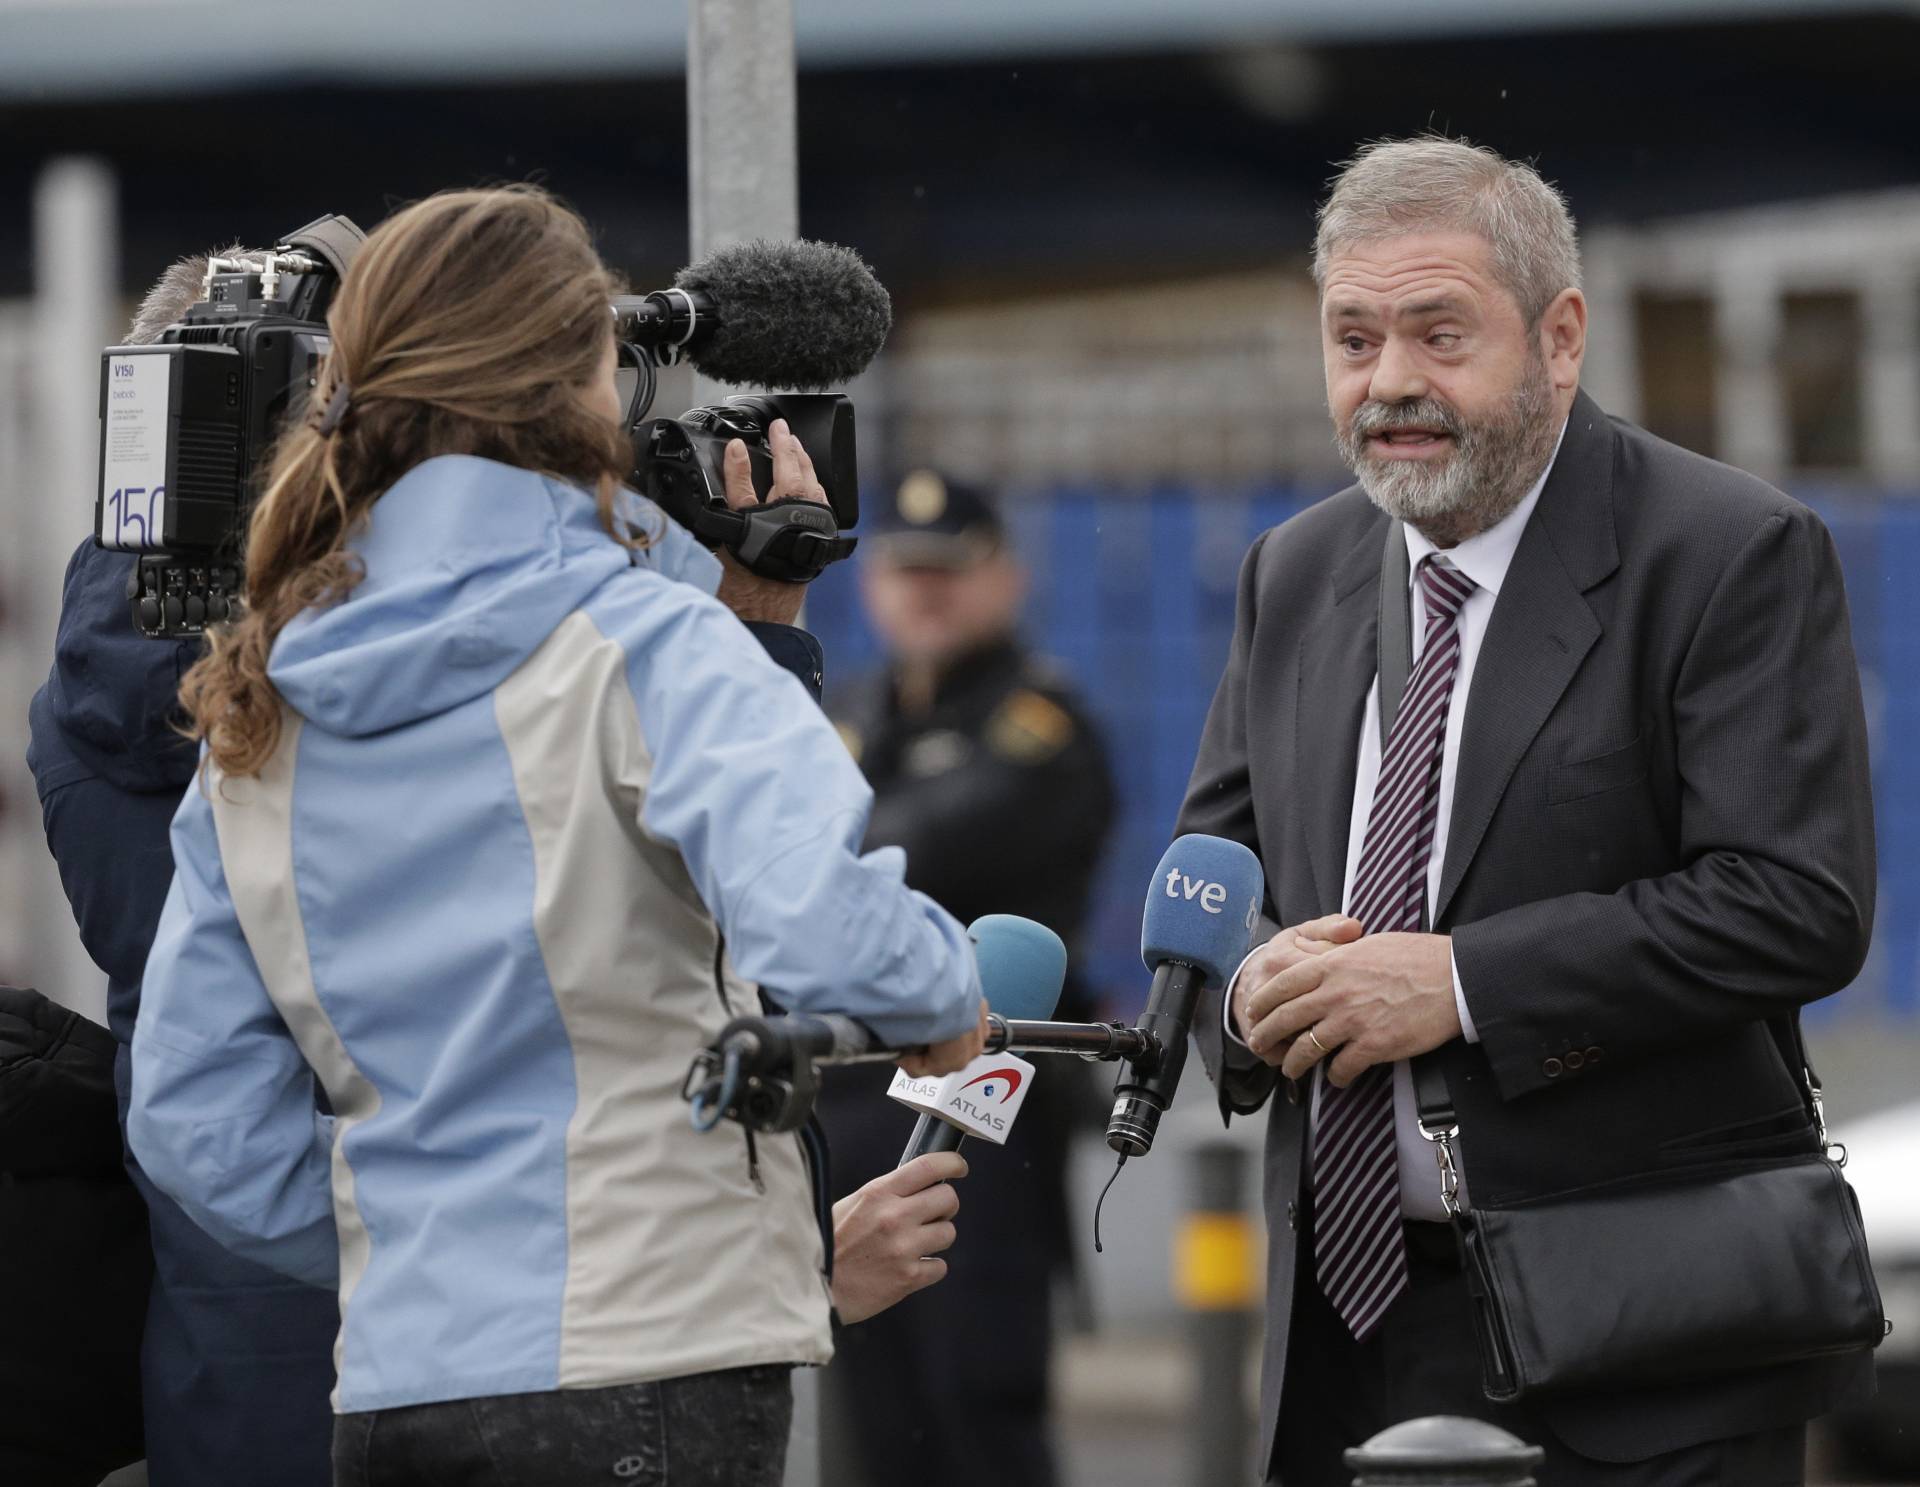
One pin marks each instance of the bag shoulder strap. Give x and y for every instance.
(1430, 1094)
(1793, 1048)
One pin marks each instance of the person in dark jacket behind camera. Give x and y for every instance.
(237, 1359)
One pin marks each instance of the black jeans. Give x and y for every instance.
(726, 1429)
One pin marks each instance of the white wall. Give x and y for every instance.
(49, 390)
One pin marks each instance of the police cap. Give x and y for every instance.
(931, 521)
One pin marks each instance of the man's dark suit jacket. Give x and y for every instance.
(1661, 845)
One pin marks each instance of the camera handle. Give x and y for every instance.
(336, 240)
(792, 539)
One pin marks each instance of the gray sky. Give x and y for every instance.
(52, 49)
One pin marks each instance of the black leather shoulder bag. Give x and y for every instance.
(1576, 1292)
(1769, 1265)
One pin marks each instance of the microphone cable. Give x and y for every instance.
(1101, 1202)
(813, 1144)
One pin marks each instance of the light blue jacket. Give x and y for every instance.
(542, 818)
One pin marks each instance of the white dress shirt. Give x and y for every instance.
(1485, 559)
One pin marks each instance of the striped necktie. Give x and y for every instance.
(1359, 1251)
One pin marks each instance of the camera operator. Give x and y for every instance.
(104, 751)
(235, 1359)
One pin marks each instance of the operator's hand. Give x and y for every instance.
(746, 593)
(955, 1053)
(887, 1237)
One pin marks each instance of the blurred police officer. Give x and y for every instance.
(988, 772)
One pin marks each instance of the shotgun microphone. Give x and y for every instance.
(793, 314)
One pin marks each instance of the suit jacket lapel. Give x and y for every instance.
(1337, 669)
(1540, 632)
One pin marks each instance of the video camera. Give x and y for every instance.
(679, 462)
(799, 314)
(186, 423)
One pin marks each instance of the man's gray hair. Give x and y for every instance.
(179, 287)
(1434, 184)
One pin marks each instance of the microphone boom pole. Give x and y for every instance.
(761, 1070)
(1096, 1041)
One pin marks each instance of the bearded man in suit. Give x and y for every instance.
(1617, 832)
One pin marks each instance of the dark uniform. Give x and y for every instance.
(1000, 794)
(237, 1359)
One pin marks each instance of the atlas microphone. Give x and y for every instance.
(1023, 966)
(1202, 906)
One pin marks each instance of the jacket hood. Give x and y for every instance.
(109, 707)
(470, 566)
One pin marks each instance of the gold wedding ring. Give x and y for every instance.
(1325, 1051)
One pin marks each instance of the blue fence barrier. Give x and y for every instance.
(1133, 596)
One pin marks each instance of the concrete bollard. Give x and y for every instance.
(1215, 1278)
(1444, 1451)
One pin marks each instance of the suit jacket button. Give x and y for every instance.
(1553, 1068)
(1575, 1058)
(1293, 1091)
(1595, 1053)
(1293, 1214)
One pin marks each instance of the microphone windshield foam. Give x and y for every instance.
(1202, 906)
(792, 315)
(1023, 965)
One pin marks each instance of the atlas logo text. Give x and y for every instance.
(973, 1112)
(1212, 896)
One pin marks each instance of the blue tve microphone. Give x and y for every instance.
(1202, 906)
(1023, 966)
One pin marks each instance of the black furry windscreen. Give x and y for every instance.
(800, 315)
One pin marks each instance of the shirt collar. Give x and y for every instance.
(1485, 556)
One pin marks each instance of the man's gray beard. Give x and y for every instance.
(1493, 464)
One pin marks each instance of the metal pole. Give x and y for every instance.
(742, 155)
(1216, 1279)
(1890, 371)
(1751, 420)
(1611, 371)
(76, 288)
(743, 183)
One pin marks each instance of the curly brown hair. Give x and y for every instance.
(470, 323)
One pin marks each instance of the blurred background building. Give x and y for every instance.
(1094, 218)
